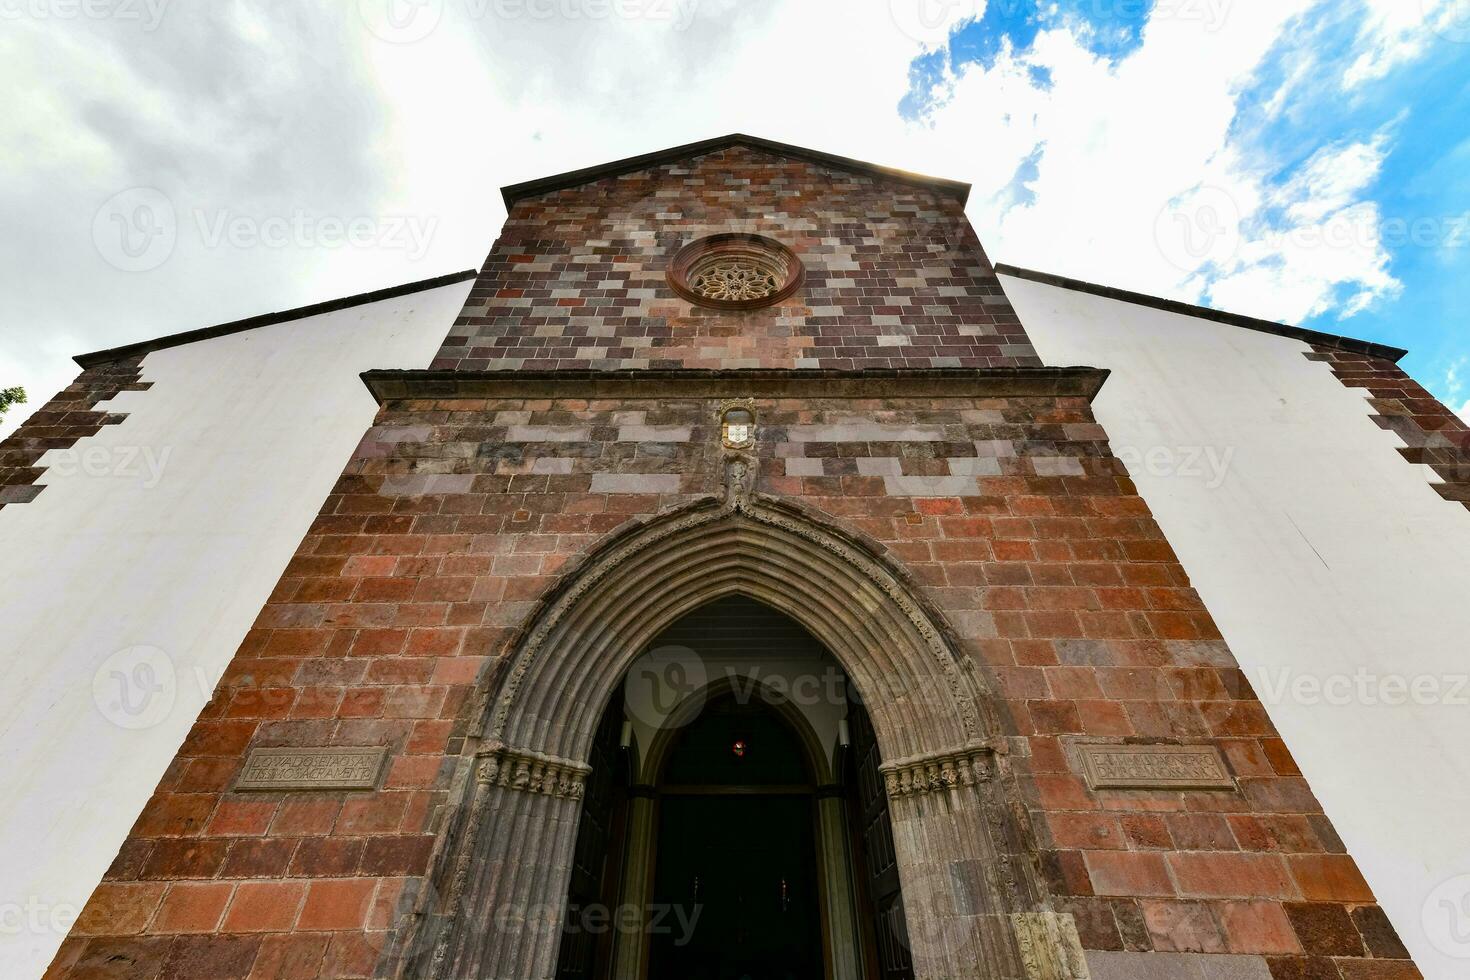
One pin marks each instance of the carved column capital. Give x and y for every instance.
(530, 772)
(936, 773)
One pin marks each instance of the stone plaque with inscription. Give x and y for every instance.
(1155, 767)
(311, 769)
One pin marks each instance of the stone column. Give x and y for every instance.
(631, 916)
(509, 889)
(841, 909)
(971, 907)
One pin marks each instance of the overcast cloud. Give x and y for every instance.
(165, 165)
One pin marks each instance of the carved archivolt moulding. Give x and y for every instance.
(735, 272)
(531, 773)
(915, 777)
(680, 531)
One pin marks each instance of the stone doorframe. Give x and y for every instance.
(975, 901)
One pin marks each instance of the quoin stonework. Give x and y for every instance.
(739, 572)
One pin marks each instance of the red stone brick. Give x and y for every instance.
(1183, 927)
(1131, 874)
(264, 906)
(257, 858)
(326, 857)
(336, 904)
(241, 818)
(117, 909)
(1232, 875)
(185, 858)
(294, 957)
(1329, 878)
(1259, 928)
(215, 957)
(192, 906)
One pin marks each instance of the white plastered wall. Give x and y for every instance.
(142, 565)
(1321, 554)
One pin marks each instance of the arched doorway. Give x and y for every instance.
(737, 860)
(973, 892)
(735, 869)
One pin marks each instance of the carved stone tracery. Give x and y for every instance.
(735, 272)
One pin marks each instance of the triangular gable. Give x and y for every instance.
(576, 178)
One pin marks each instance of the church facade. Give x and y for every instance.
(736, 573)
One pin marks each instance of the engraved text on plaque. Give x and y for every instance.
(1155, 767)
(307, 769)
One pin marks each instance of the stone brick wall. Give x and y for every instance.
(1433, 434)
(895, 276)
(70, 416)
(458, 513)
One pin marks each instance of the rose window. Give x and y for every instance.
(736, 272)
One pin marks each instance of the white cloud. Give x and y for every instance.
(1398, 31)
(1326, 249)
(1464, 412)
(1144, 181)
(263, 111)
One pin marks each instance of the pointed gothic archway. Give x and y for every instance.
(974, 900)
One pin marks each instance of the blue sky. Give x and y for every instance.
(1345, 169)
(1301, 160)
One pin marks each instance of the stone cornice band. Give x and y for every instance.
(1044, 382)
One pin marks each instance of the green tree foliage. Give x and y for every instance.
(9, 397)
